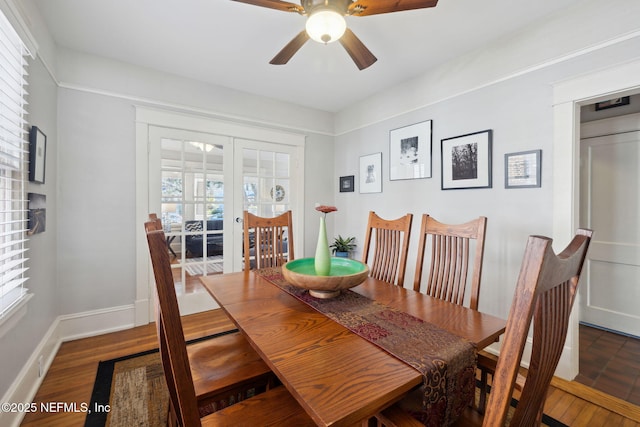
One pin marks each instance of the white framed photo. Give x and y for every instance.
(466, 161)
(371, 173)
(410, 151)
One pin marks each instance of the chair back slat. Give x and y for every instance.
(268, 242)
(450, 258)
(390, 240)
(173, 351)
(545, 293)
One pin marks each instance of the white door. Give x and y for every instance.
(269, 176)
(199, 183)
(610, 205)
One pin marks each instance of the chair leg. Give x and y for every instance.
(172, 419)
(482, 404)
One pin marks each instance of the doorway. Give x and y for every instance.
(568, 96)
(200, 183)
(610, 285)
(198, 174)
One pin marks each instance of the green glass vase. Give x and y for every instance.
(322, 260)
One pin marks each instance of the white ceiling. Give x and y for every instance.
(230, 44)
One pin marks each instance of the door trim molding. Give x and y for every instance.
(568, 97)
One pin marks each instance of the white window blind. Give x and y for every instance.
(13, 154)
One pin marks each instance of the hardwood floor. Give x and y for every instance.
(610, 362)
(72, 373)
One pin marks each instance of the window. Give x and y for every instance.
(13, 154)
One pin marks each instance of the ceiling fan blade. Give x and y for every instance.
(376, 7)
(284, 6)
(357, 50)
(290, 49)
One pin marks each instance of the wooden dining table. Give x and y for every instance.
(338, 377)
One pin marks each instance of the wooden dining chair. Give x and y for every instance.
(545, 293)
(274, 407)
(450, 257)
(268, 242)
(390, 240)
(221, 369)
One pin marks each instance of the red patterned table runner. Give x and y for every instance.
(446, 361)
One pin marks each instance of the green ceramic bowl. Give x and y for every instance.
(345, 273)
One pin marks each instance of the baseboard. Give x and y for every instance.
(26, 384)
(563, 370)
(97, 322)
(64, 328)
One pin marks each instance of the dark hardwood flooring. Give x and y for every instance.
(610, 363)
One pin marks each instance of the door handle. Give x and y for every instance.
(239, 220)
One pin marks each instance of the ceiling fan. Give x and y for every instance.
(326, 23)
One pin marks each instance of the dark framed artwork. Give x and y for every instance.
(37, 213)
(612, 103)
(371, 173)
(410, 151)
(347, 184)
(466, 161)
(523, 169)
(37, 154)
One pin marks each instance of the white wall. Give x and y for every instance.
(521, 122)
(97, 164)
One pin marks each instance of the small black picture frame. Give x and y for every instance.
(612, 103)
(346, 183)
(37, 155)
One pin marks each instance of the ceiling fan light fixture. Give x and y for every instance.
(326, 26)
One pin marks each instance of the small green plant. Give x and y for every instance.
(341, 244)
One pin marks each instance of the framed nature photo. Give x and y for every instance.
(371, 173)
(346, 184)
(523, 169)
(37, 154)
(37, 213)
(466, 161)
(410, 151)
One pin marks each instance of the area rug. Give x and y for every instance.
(195, 266)
(131, 391)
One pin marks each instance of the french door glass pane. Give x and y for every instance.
(192, 206)
(266, 183)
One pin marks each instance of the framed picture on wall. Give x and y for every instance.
(37, 154)
(612, 103)
(523, 169)
(371, 173)
(466, 161)
(37, 213)
(346, 184)
(410, 151)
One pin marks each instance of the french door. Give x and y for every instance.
(200, 183)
